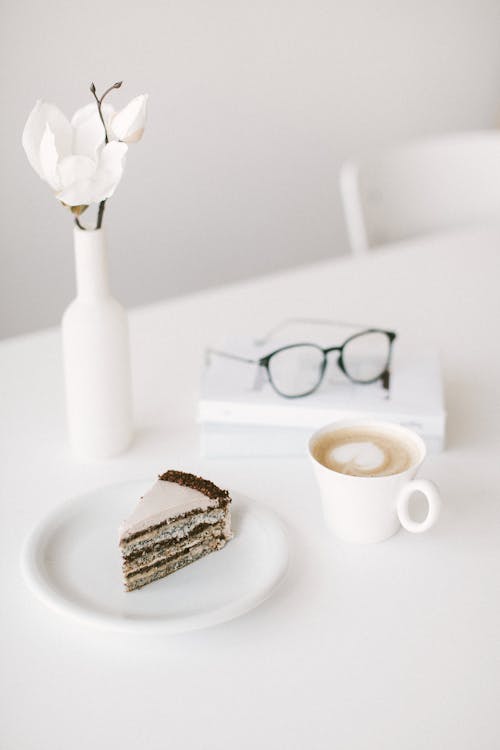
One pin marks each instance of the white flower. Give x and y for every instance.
(128, 124)
(73, 158)
(88, 130)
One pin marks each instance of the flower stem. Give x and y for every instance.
(102, 206)
(99, 109)
(100, 101)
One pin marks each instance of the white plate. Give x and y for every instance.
(73, 563)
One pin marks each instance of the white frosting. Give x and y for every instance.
(163, 501)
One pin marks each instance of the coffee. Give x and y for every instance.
(365, 451)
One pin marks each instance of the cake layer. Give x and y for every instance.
(166, 567)
(170, 530)
(180, 519)
(162, 551)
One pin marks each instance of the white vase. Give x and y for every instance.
(96, 357)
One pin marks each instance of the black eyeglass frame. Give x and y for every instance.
(264, 362)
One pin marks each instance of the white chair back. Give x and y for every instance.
(427, 186)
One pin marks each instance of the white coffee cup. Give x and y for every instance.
(372, 508)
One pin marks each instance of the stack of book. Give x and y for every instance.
(241, 415)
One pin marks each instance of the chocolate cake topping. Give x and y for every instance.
(185, 479)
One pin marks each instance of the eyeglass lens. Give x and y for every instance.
(297, 370)
(365, 357)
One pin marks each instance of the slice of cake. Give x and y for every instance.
(180, 519)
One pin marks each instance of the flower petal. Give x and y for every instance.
(110, 169)
(41, 115)
(128, 124)
(75, 168)
(93, 182)
(49, 159)
(88, 130)
(77, 194)
(76, 173)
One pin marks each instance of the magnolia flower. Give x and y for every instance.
(128, 124)
(74, 157)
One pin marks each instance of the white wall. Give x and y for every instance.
(253, 106)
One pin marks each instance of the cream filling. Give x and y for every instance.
(173, 530)
(154, 556)
(139, 579)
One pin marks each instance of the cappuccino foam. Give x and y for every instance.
(365, 452)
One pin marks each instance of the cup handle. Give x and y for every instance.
(431, 492)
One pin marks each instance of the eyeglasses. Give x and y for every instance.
(297, 370)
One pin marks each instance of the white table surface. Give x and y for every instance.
(394, 645)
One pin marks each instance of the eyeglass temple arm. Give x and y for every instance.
(227, 355)
(314, 321)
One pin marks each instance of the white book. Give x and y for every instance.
(238, 393)
(253, 441)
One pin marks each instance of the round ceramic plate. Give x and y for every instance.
(73, 563)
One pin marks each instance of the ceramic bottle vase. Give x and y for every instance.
(96, 357)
